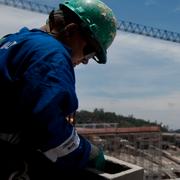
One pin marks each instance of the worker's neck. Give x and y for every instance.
(45, 28)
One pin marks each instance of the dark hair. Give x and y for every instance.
(60, 18)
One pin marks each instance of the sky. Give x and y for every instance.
(141, 77)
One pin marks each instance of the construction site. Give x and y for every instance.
(147, 147)
(157, 153)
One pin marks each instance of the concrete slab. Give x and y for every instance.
(116, 169)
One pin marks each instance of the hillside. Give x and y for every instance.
(100, 116)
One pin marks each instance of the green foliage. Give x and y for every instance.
(99, 116)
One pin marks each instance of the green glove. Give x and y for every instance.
(1, 40)
(96, 158)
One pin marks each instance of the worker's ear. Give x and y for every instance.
(71, 28)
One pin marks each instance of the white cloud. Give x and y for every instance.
(146, 45)
(177, 9)
(153, 109)
(12, 19)
(150, 2)
(141, 78)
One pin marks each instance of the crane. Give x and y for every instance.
(126, 26)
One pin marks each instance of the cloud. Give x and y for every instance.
(14, 19)
(177, 9)
(153, 109)
(146, 45)
(150, 2)
(140, 78)
(137, 66)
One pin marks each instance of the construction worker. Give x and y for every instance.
(37, 82)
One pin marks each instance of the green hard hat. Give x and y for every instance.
(98, 21)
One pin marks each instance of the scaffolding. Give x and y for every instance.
(140, 146)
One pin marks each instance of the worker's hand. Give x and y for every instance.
(96, 158)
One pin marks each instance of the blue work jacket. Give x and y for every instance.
(37, 93)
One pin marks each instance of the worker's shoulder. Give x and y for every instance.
(37, 36)
(40, 40)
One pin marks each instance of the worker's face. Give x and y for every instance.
(80, 45)
(81, 49)
(79, 56)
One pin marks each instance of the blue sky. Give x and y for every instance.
(141, 77)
